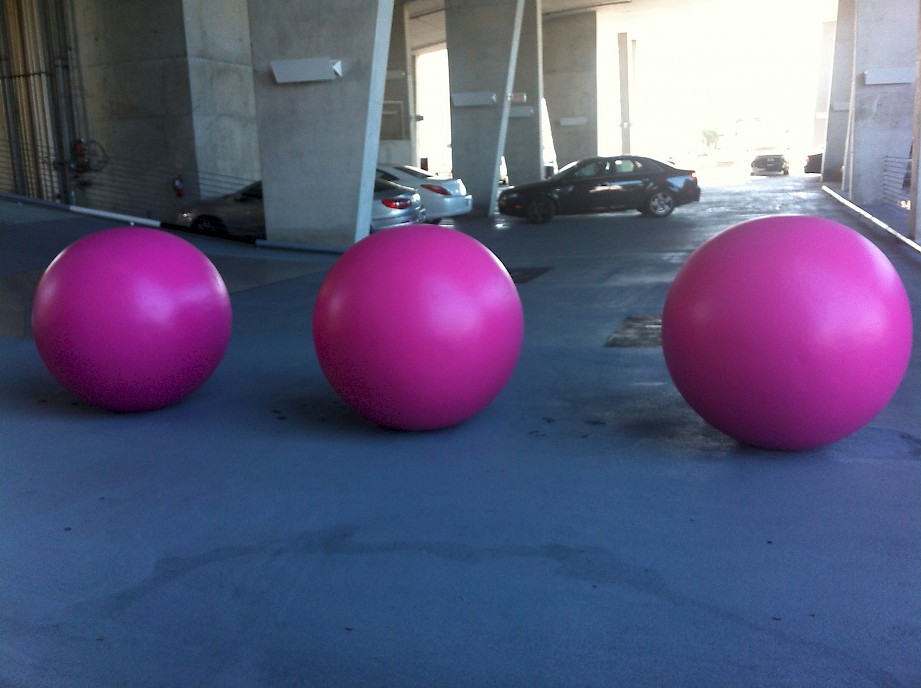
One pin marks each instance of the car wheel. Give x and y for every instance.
(541, 209)
(207, 224)
(661, 203)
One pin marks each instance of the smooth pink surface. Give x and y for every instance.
(418, 327)
(131, 319)
(787, 332)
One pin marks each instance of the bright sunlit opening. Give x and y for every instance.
(716, 78)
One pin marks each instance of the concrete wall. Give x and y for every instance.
(882, 94)
(167, 90)
(570, 85)
(136, 96)
(221, 83)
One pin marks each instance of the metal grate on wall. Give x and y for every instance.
(897, 181)
(115, 184)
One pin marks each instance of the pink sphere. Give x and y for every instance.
(131, 319)
(787, 332)
(418, 327)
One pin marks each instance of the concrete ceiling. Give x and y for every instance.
(427, 18)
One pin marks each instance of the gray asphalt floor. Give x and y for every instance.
(586, 529)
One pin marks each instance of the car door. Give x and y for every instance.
(583, 188)
(625, 184)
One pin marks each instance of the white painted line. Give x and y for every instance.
(876, 221)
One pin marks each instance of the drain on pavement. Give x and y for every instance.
(637, 331)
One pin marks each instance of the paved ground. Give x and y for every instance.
(586, 529)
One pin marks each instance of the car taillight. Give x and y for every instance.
(437, 189)
(396, 203)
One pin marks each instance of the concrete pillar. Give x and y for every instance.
(570, 84)
(482, 39)
(398, 123)
(839, 101)
(823, 89)
(524, 143)
(882, 94)
(318, 132)
(221, 83)
(625, 72)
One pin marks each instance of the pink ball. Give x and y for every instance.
(131, 319)
(787, 332)
(418, 327)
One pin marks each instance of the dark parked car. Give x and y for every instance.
(601, 185)
(241, 213)
(813, 163)
(770, 163)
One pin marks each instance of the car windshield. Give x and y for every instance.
(564, 170)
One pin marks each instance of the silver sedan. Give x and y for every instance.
(241, 214)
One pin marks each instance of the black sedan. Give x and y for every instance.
(772, 163)
(601, 185)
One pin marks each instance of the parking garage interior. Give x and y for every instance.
(587, 528)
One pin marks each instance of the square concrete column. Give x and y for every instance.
(571, 84)
(319, 73)
(482, 41)
(842, 76)
(524, 141)
(398, 122)
(625, 72)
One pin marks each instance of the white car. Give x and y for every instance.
(441, 196)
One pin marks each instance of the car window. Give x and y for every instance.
(626, 166)
(595, 168)
(382, 174)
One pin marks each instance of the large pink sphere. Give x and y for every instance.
(418, 327)
(787, 332)
(131, 319)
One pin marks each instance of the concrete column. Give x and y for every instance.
(221, 83)
(570, 84)
(524, 144)
(625, 72)
(882, 94)
(823, 89)
(839, 104)
(482, 39)
(398, 124)
(318, 138)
